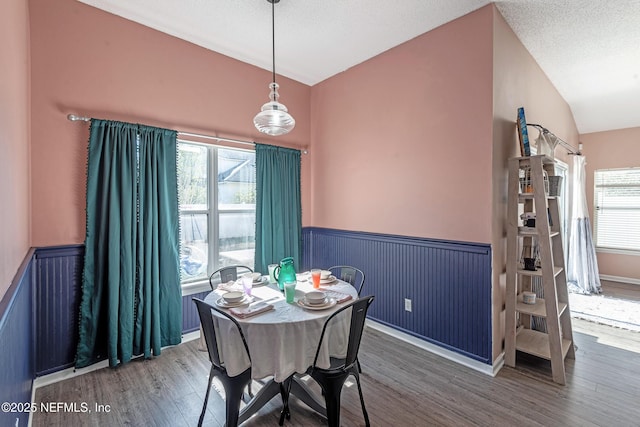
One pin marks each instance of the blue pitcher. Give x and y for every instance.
(285, 272)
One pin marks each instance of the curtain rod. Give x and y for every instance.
(76, 118)
(570, 148)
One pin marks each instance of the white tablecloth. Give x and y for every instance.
(283, 341)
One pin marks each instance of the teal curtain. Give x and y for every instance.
(278, 206)
(131, 300)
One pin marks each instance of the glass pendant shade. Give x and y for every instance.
(274, 118)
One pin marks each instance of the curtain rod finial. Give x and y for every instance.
(75, 118)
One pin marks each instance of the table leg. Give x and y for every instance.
(285, 389)
(300, 390)
(264, 395)
(292, 385)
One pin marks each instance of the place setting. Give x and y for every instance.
(243, 305)
(316, 300)
(234, 299)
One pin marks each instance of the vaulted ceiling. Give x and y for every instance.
(589, 49)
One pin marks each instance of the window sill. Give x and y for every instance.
(192, 288)
(617, 251)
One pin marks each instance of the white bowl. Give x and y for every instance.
(232, 297)
(315, 297)
(324, 274)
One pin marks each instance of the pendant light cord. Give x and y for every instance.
(273, 38)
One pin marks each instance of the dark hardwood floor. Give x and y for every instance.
(403, 386)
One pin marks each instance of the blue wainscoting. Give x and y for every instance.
(58, 280)
(57, 288)
(449, 284)
(190, 317)
(17, 367)
(57, 284)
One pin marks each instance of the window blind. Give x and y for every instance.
(617, 208)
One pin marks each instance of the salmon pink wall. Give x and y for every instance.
(518, 81)
(92, 63)
(611, 150)
(14, 138)
(401, 144)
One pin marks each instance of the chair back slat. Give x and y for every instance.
(206, 320)
(352, 275)
(358, 317)
(227, 274)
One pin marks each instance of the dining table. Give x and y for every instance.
(283, 339)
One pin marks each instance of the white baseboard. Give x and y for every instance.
(191, 336)
(620, 279)
(443, 352)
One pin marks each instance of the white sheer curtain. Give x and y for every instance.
(582, 266)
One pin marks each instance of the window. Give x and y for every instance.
(217, 191)
(617, 209)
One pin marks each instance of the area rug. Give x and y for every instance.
(610, 311)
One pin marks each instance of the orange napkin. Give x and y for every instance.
(251, 310)
(339, 296)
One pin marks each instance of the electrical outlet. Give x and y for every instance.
(407, 304)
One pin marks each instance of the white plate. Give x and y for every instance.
(328, 304)
(220, 302)
(263, 280)
(315, 304)
(329, 280)
(301, 277)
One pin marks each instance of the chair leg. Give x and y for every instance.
(233, 390)
(206, 398)
(332, 387)
(364, 409)
(249, 393)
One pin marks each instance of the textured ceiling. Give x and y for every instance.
(590, 49)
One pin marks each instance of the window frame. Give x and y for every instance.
(596, 210)
(213, 212)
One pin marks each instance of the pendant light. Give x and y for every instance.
(274, 118)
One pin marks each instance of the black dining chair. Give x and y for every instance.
(227, 274)
(333, 378)
(233, 386)
(352, 275)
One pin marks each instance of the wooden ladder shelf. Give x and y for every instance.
(528, 194)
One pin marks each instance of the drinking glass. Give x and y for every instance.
(315, 275)
(247, 284)
(272, 278)
(289, 291)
